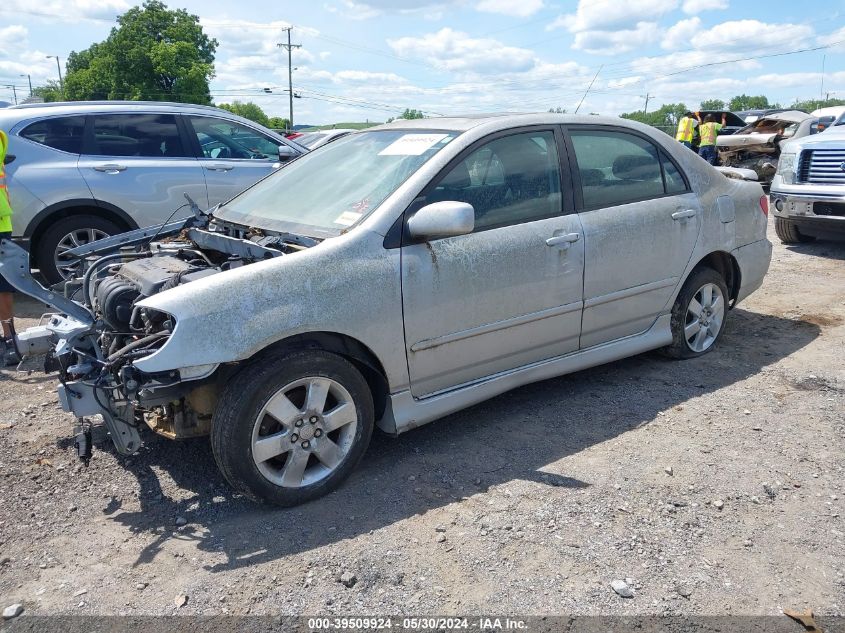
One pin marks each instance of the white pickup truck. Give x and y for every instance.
(808, 190)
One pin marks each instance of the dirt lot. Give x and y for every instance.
(715, 486)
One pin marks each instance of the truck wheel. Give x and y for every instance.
(788, 232)
(699, 315)
(65, 234)
(291, 427)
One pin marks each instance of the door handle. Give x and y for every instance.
(219, 167)
(563, 241)
(110, 168)
(683, 215)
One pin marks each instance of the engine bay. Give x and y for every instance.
(100, 330)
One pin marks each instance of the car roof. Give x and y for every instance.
(104, 106)
(502, 120)
(33, 111)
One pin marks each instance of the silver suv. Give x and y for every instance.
(86, 170)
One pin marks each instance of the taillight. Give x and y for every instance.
(764, 205)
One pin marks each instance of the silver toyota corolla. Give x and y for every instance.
(393, 277)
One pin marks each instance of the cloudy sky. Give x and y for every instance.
(371, 59)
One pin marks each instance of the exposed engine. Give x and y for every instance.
(101, 330)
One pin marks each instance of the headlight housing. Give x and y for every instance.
(786, 168)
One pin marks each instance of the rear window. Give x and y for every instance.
(618, 168)
(62, 133)
(149, 135)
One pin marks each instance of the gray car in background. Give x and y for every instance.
(82, 171)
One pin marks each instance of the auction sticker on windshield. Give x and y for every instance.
(348, 218)
(412, 144)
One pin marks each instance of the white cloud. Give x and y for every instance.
(13, 38)
(837, 37)
(521, 9)
(617, 42)
(680, 35)
(692, 7)
(68, 10)
(456, 51)
(610, 15)
(738, 34)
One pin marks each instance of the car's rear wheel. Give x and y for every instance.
(699, 314)
(788, 232)
(68, 233)
(291, 427)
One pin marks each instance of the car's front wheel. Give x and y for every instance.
(291, 427)
(699, 314)
(789, 234)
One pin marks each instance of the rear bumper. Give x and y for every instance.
(753, 260)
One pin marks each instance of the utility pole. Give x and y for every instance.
(59, 68)
(647, 97)
(29, 79)
(14, 92)
(289, 47)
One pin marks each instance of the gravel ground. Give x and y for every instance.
(711, 486)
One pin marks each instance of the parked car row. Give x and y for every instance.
(83, 171)
(449, 260)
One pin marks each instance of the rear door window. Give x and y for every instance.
(61, 133)
(143, 135)
(616, 168)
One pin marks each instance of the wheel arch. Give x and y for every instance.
(353, 350)
(726, 265)
(69, 208)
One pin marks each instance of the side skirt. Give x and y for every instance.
(404, 412)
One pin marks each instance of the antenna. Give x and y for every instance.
(588, 89)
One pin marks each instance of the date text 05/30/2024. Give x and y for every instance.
(417, 624)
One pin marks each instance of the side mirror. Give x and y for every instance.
(442, 219)
(286, 153)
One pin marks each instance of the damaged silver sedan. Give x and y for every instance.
(758, 145)
(391, 278)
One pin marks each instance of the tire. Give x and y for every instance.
(266, 469)
(687, 342)
(82, 227)
(789, 234)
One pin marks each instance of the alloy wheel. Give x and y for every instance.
(65, 264)
(705, 314)
(304, 432)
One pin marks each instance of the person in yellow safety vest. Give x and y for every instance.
(6, 305)
(686, 129)
(708, 131)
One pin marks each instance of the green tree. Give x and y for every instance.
(278, 123)
(557, 110)
(50, 92)
(412, 114)
(712, 104)
(666, 117)
(809, 105)
(746, 102)
(154, 54)
(247, 110)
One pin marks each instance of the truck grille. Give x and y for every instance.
(823, 166)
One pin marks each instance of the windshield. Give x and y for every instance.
(323, 193)
(309, 138)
